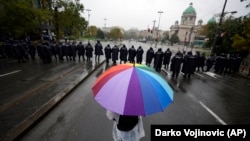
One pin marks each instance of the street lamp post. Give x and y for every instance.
(153, 31)
(105, 28)
(190, 36)
(157, 36)
(89, 10)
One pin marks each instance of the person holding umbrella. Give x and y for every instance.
(128, 92)
(126, 128)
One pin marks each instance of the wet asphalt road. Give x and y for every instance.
(207, 98)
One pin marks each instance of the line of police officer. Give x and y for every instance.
(23, 51)
(131, 55)
(186, 63)
(189, 63)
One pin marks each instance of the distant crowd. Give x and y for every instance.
(184, 62)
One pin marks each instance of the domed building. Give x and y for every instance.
(186, 30)
(212, 20)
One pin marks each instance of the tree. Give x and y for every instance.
(91, 32)
(70, 20)
(165, 36)
(209, 31)
(116, 33)
(100, 34)
(20, 17)
(241, 41)
(174, 39)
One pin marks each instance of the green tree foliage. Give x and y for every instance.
(209, 30)
(174, 39)
(241, 41)
(20, 17)
(100, 34)
(232, 36)
(116, 33)
(165, 36)
(70, 20)
(91, 32)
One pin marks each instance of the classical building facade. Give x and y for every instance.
(186, 30)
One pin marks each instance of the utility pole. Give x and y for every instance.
(217, 28)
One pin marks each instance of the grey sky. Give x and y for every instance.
(141, 13)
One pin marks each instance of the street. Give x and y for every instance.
(207, 98)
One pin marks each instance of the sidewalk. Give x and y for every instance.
(17, 119)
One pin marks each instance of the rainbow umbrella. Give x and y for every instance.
(132, 89)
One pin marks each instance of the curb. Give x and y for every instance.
(24, 126)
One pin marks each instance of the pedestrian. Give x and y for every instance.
(47, 53)
(232, 60)
(126, 128)
(175, 66)
(67, 51)
(115, 53)
(158, 57)
(73, 50)
(54, 51)
(89, 51)
(219, 65)
(81, 51)
(19, 51)
(123, 54)
(131, 54)
(39, 50)
(107, 51)
(210, 62)
(60, 51)
(98, 50)
(238, 62)
(149, 56)
(32, 50)
(139, 54)
(166, 58)
(188, 67)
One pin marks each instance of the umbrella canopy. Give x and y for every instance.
(132, 89)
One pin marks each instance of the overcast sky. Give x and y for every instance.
(140, 14)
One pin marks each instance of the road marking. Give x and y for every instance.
(9, 73)
(198, 74)
(211, 74)
(213, 114)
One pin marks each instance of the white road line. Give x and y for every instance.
(211, 74)
(9, 73)
(213, 114)
(198, 74)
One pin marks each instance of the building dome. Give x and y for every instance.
(212, 20)
(190, 10)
